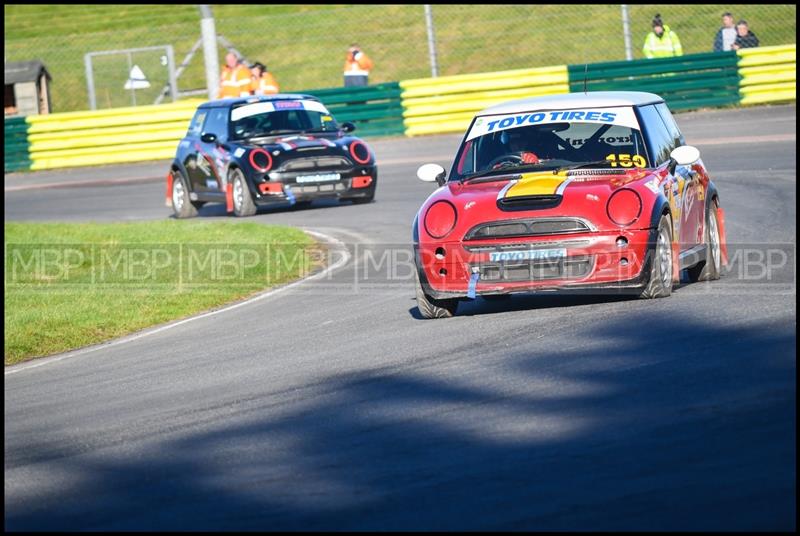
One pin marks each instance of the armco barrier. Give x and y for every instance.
(685, 82)
(375, 110)
(448, 103)
(414, 107)
(113, 136)
(768, 74)
(144, 133)
(15, 145)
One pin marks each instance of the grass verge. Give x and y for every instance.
(72, 285)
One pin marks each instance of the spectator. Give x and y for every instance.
(726, 35)
(661, 42)
(744, 38)
(263, 81)
(356, 67)
(235, 80)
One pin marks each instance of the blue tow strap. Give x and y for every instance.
(473, 282)
(289, 194)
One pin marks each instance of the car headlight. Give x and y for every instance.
(260, 160)
(624, 207)
(440, 219)
(359, 152)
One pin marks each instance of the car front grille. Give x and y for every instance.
(575, 267)
(317, 188)
(489, 248)
(317, 163)
(527, 227)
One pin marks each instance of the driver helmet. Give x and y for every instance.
(515, 140)
(246, 125)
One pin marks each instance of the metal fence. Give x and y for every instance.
(145, 73)
(304, 45)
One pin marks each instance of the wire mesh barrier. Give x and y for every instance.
(305, 46)
(144, 73)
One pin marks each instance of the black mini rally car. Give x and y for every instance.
(256, 151)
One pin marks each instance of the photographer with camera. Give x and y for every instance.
(356, 67)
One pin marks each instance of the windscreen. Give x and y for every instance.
(599, 138)
(281, 117)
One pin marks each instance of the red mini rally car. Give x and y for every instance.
(582, 192)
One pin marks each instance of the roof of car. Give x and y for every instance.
(219, 103)
(592, 99)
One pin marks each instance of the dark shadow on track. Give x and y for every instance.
(668, 424)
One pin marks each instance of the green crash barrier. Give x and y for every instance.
(16, 155)
(448, 103)
(686, 82)
(375, 110)
(768, 74)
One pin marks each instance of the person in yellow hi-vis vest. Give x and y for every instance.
(235, 80)
(661, 42)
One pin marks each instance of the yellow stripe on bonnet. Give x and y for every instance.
(539, 183)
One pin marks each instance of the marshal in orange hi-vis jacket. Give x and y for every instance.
(356, 67)
(235, 80)
(264, 82)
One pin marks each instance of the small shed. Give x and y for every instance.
(27, 88)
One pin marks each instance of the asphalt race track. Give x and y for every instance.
(334, 406)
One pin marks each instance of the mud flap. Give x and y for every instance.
(169, 189)
(723, 241)
(229, 197)
(676, 263)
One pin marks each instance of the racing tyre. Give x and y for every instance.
(660, 283)
(709, 269)
(432, 308)
(181, 205)
(243, 204)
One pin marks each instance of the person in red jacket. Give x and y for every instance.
(356, 67)
(235, 80)
(264, 82)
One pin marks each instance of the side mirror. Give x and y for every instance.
(208, 137)
(432, 173)
(348, 126)
(685, 155)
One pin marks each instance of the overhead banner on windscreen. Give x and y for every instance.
(277, 105)
(622, 116)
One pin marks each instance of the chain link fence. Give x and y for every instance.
(305, 45)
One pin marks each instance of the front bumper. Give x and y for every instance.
(594, 263)
(357, 184)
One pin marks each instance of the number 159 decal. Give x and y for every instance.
(626, 160)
